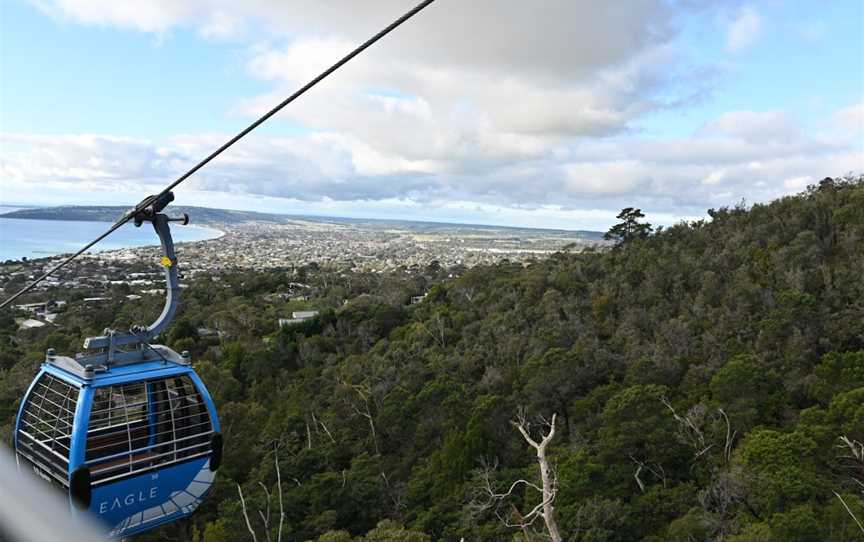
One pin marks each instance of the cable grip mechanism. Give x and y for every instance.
(149, 210)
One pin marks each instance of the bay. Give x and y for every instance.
(31, 239)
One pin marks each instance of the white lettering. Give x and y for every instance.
(128, 500)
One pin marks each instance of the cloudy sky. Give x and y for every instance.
(552, 113)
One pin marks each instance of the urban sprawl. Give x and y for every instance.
(260, 246)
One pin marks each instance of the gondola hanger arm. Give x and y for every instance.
(149, 201)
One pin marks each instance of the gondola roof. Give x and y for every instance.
(70, 369)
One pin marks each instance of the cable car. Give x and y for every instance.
(127, 429)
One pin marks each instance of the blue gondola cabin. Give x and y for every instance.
(136, 445)
(126, 429)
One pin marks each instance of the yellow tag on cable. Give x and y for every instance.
(166, 261)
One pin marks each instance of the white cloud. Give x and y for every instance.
(754, 126)
(715, 177)
(718, 166)
(73, 159)
(149, 16)
(796, 183)
(487, 89)
(503, 61)
(605, 178)
(459, 113)
(744, 29)
(851, 119)
(561, 36)
(483, 93)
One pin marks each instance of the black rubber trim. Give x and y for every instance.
(80, 488)
(215, 451)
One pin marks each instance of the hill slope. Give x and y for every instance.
(702, 380)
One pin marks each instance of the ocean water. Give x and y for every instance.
(32, 239)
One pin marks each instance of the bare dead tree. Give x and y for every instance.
(689, 431)
(437, 329)
(854, 454)
(265, 514)
(490, 498)
(730, 437)
(855, 450)
(246, 515)
(499, 502)
(366, 412)
(654, 468)
(849, 510)
(546, 508)
(265, 517)
(316, 421)
(468, 292)
(365, 393)
(279, 489)
(639, 481)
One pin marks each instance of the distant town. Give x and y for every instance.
(257, 241)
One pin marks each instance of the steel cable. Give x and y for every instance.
(150, 199)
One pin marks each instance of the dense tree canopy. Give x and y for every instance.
(708, 382)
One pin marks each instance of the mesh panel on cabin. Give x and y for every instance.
(45, 430)
(144, 425)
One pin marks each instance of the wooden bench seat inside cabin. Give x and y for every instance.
(139, 461)
(117, 441)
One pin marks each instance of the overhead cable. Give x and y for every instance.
(150, 199)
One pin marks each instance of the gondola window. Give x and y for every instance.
(45, 430)
(142, 425)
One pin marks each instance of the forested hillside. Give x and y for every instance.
(706, 383)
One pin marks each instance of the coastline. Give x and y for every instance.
(218, 228)
(57, 238)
